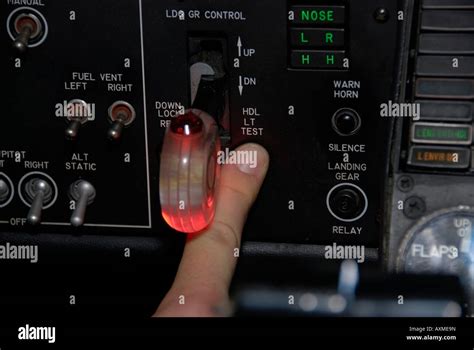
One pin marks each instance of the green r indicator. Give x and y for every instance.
(329, 38)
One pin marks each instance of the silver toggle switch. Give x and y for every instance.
(4, 191)
(79, 112)
(72, 130)
(84, 194)
(121, 115)
(115, 131)
(27, 27)
(39, 193)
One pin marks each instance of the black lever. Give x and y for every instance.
(211, 97)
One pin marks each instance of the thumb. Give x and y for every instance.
(202, 282)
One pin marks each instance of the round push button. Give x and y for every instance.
(347, 202)
(346, 122)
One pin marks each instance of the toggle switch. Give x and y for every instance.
(27, 26)
(72, 130)
(4, 191)
(78, 113)
(38, 193)
(121, 115)
(84, 194)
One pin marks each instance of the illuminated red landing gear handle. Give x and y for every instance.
(189, 172)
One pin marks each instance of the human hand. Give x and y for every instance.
(201, 286)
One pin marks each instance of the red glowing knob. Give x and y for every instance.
(186, 124)
(189, 171)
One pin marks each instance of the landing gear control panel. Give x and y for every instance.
(118, 117)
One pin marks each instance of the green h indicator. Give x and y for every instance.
(305, 59)
(330, 59)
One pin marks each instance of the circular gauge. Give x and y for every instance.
(441, 243)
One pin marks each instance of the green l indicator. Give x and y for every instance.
(442, 133)
(303, 39)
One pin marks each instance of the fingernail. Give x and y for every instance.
(255, 159)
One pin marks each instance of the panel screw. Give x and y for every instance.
(381, 15)
(405, 183)
(414, 207)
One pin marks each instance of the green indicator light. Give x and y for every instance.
(317, 16)
(329, 38)
(305, 59)
(303, 39)
(330, 59)
(427, 133)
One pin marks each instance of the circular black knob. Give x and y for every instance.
(347, 202)
(346, 122)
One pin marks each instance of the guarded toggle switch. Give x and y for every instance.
(27, 26)
(78, 113)
(38, 193)
(84, 194)
(121, 115)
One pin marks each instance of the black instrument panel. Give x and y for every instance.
(318, 117)
(365, 108)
